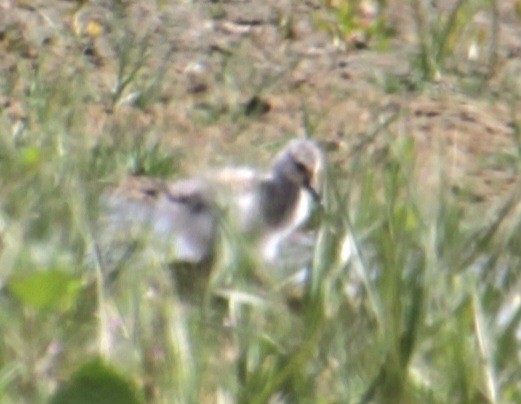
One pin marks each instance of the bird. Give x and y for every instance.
(177, 217)
(271, 206)
(185, 217)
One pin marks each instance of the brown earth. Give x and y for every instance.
(236, 75)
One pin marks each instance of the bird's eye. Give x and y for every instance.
(301, 167)
(151, 192)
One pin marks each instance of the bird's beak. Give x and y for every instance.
(313, 192)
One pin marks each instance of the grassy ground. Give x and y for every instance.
(415, 289)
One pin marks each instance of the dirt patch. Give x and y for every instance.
(219, 79)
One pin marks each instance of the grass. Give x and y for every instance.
(357, 23)
(403, 305)
(454, 41)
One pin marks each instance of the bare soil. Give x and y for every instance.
(218, 79)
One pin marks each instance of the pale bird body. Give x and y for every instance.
(273, 205)
(178, 217)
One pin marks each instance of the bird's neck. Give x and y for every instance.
(280, 197)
